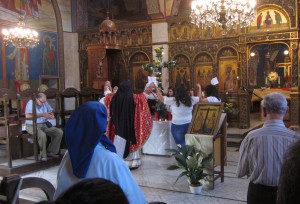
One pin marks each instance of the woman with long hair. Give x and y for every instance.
(182, 106)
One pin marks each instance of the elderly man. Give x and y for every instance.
(44, 129)
(262, 151)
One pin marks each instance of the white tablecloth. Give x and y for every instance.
(160, 139)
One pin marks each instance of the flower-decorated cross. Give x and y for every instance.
(156, 65)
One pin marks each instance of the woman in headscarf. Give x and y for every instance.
(130, 120)
(92, 155)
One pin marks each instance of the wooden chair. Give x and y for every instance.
(69, 102)
(9, 129)
(43, 88)
(24, 97)
(12, 184)
(10, 104)
(87, 94)
(53, 98)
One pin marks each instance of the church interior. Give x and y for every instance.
(81, 44)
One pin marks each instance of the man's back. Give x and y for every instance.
(262, 152)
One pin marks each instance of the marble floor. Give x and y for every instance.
(158, 184)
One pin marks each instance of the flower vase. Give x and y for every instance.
(195, 189)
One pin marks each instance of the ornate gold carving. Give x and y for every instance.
(228, 52)
(294, 34)
(294, 45)
(268, 37)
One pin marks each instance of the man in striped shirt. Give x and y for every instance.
(262, 151)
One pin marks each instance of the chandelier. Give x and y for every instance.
(225, 13)
(20, 36)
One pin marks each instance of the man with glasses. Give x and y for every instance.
(43, 113)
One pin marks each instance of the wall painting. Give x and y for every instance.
(269, 19)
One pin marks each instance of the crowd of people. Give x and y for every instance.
(104, 138)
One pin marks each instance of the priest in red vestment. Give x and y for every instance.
(130, 119)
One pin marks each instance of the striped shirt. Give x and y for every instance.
(262, 152)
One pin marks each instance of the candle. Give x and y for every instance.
(266, 80)
(279, 80)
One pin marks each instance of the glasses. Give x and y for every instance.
(42, 102)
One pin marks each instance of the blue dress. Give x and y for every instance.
(104, 164)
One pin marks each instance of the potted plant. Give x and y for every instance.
(192, 162)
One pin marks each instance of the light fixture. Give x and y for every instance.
(225, 13)
(20, 36)
(285, 52)
(252, 54)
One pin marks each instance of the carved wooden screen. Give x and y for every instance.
(97, 66)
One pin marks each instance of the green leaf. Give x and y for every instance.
(181, 175)
(173, 167)
(207, 159)
(181, 160)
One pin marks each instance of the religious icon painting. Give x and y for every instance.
(181, 75)
(270, 18)
(203, 75)
(206, 118)
(228, 74)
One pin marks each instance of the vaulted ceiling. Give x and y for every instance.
(134, 10)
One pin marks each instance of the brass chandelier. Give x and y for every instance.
(20, 36)
(228, 14)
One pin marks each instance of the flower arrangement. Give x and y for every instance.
(159, 52)
(231, 110)
(228, 108)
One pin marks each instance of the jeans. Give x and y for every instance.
(178, 132)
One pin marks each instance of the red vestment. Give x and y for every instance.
(142, 121)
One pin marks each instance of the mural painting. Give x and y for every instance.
(27, 64)
(270, 19)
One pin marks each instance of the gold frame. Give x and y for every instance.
(230, 84)
(205, 119)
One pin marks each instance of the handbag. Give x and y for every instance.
(49, 125)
